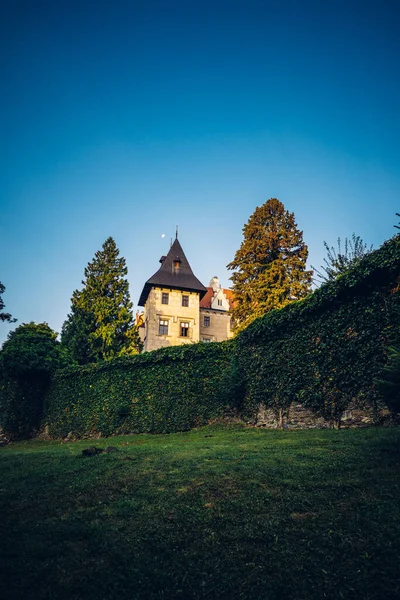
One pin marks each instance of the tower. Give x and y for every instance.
(171, 299)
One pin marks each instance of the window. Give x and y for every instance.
(184, 329)
(206, 321)
(219, 302)
(164, 298)
(206, 340)
(185, 300)
(163, 327)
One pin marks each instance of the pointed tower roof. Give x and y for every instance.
(175, 273)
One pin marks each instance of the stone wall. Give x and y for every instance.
(300, 417)
(4, 439)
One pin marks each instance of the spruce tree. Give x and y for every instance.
(76, 331)
(100, 325)
(269, 269)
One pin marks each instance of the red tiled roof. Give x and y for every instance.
(206, 300)
(230, 297)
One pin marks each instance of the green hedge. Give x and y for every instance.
(163, 391)
(21, 405)
(28, 357)
(324, 351)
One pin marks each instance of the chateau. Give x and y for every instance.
(179, 309)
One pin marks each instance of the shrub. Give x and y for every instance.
(27, 359)
(326, 350)
(389, 383)
(163, 391)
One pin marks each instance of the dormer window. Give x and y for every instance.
(176, 264)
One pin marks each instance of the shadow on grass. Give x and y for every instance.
(213, 513)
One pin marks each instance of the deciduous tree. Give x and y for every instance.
(3, 315)
(100, 325)
(269, 269)
(27, 358)
(339, 260)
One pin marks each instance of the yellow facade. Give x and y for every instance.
(168, 320)
(179, 309)
(215, 325)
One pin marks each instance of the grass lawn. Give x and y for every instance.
(219, 512)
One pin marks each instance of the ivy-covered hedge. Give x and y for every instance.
(29, 356)
(163, 391)
(326, 350)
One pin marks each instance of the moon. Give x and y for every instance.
(163, 235)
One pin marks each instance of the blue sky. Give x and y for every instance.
(127, 118)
